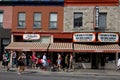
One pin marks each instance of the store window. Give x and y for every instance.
(21, 20)
(37, 20)
(78, 19)
(53, 20)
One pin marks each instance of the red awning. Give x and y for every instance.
(28, 46)
(61, 47)
(96, 48)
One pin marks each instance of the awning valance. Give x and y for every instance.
(96, 48)
(28, 46)
(61, 47)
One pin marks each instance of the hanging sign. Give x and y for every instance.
(97, 16)
(108, 37)
(31, 36)
(84, 37)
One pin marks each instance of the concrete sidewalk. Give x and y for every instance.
(77, 72)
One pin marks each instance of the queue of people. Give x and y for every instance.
(42, 61)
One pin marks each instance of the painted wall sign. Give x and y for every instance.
(108, 37)
(84, 37)
(31, 36)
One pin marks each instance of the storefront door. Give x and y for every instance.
(94, 61)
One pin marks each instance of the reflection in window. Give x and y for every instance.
(78, 17)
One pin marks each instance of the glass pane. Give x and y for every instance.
(78, 19)
(22, 16)
(1, 17)
(102, 20)
(37, 24)
(37, 17)
(53, 24)
(21, 24)
(53, 17)
(45, 39)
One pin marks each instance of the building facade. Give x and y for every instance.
(5, 27)
(93, 22)
(89, 29)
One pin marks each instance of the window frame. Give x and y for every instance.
(74, 26)
(101, 27)
(56, 27)
(22, 21)
(40, 21)
(1, 23)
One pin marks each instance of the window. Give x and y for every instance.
(102, 20)
(78, 20)
(37, 20)
(21, 20)
(53, 20)
(1, 19)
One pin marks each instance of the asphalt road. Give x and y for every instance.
(53, 76)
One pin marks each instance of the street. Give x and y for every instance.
(53, 76)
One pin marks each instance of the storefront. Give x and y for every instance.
(4, 40)
(96, 50)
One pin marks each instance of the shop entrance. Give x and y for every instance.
(94, 61)
(98, 61)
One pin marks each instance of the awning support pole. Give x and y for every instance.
(73, 56)
(116, 59)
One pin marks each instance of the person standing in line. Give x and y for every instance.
(118, 64)
(14, 59)
(71, 65)
(6, 59)
(66, 62)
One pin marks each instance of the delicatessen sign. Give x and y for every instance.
(31, 36)
(84, 37)
(108, 37)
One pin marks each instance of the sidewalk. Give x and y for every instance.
(77, 72)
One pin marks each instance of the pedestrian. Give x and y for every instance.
(34, 60)
(71, 65)
(44, 61)
(59, 62)
(14, 58)
(118, 64)
(6, 59)
(66, 62)
(21, 64)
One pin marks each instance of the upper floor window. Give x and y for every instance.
(78, 20)
(37, 20)
(102, 20)
(1, 19)
(21, 20)
(53, 20)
